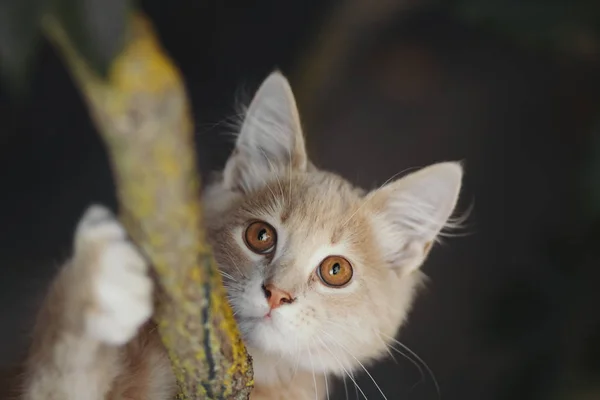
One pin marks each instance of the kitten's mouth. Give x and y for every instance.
(267, 318)
(261, 331)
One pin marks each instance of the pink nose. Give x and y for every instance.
(276, 297)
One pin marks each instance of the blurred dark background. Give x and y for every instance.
(512, 88)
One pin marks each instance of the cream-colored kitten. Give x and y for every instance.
(320, 274)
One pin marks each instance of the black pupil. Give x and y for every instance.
(263, 235)
(335, 269)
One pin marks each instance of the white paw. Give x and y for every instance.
(121, 288)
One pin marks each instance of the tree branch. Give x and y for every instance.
(143, 115)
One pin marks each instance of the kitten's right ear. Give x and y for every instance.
(270, 141)
(411, 212)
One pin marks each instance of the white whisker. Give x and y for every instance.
(389, 346)
(313, 373)
(355, 387)
(226, 275)
(437, 387)
(297, 348)
(324, 373)
(345, 386)
(350, 375)
(361, 364)
(230, 258)
(413, 362)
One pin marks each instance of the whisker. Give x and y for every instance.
(228, 276)
(297, 347)
(413, 362)
(350, 375)
(355, 387)
(362, 366)
(230, 258)
(345, 386)
(437, 387)
(388, 347)
(313, 373)
(324, 374)
(231, 122)
(280, 359)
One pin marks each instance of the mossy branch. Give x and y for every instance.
(142, 112)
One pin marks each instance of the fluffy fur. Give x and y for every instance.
(93, 341)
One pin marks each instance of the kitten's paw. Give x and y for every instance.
(121, 288)
(97, 225)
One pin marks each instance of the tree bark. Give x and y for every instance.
(142, 113)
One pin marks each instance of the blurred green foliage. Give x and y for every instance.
(96, 28)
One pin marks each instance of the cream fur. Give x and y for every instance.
(92, 328)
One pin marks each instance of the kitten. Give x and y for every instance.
(320, 274)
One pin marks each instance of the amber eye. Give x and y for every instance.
(335, 271)
(260, 237)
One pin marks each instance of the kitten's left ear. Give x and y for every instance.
(270, 141)
(411, 212)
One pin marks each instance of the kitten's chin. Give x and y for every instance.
(269, 338)
(301, 346)
(265, 335)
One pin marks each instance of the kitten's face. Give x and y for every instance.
(348, 309)
(318, 272)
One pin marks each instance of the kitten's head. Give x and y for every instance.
(318, 271)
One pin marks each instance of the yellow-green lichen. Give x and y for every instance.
(142, 113)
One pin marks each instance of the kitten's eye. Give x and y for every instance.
(260, 237)
(335, 271)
